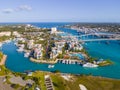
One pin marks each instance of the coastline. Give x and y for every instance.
(43, 61)
(3, 60)
(50, 62)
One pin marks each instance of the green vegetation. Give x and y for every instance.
(94, 83)
(15, 86)
(1, 56)
(4, 71)
(60, 56)
(105, 63)
(38, 77)
(3, 38)
(91, 83)
(59, 83)
(91, 59)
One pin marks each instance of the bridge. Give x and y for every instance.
(105, 39)
(93, 34)
(109, 37)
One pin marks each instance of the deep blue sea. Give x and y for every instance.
(16, 61)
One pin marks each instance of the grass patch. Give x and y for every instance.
(105, 63)
(59, 83)
(4, 71)
(40, 77)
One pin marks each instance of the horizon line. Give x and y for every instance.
(59, 22)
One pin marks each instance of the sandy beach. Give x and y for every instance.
(3, 60)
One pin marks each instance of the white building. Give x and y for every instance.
(53, 30)
(37, 53)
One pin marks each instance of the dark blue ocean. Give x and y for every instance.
(16, 61)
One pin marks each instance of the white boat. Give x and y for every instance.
(63, 61)
(90, 65)
(69, 62)
(50, 66)
(26, 54)
(20, 50)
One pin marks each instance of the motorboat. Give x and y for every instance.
(26, 54)
(20, 50)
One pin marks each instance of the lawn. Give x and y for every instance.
(91, 82)
(59, 83)
(40, 76)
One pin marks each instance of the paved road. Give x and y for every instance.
(20, 81)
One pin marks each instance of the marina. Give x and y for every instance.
(66, 66)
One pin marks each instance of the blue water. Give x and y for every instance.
(16, 61)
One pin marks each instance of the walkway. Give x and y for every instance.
(48, 83)
(20, 81)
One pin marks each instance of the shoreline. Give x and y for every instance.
(3, 60)
(43, 61)
(50, 62)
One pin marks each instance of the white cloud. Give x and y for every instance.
(8, 10)
(25, 8)
(19, 8)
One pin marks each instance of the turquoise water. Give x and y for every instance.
(16, 61)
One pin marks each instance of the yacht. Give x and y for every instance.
(63, 61)
(90, 65)
(20, 50)
(26, 54)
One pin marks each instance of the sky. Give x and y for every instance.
(59, 10)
